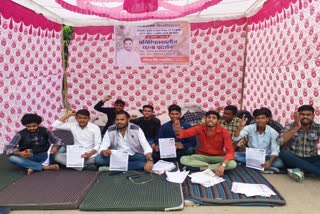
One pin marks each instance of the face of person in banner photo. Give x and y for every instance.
(128, 44)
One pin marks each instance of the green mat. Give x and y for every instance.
(146, 192)
(9, 172)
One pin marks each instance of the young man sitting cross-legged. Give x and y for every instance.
(29, 147)
(126, 137)
(216, 150)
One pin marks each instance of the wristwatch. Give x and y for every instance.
(150, 159)
(223, 164)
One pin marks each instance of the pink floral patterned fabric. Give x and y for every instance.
(283, 60)
(213, 78)
(31, 73)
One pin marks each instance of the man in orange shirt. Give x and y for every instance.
(216, 151)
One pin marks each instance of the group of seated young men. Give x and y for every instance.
(222, 141)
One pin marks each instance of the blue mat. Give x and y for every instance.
(221, 194)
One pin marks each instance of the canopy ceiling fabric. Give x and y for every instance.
(111, 12)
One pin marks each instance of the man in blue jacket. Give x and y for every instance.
(184, 146)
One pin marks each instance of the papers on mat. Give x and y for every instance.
(177, 177)
(206, 178)
(252, 189)
(119, 160)
(74, 158)
(255, 157)
(167, 148)
(47, 162)
(161, 166)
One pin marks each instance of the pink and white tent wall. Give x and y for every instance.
(283, 58)
(213, 78)
(31, 70)
(282, 66)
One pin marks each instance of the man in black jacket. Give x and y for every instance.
(29, 147)
(109, 111)
(149, 124)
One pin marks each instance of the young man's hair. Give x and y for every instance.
(306, 108)
(214, 113)
(232, 108)
(119, 102)
(84, 112)
(123, 113)
(127, 39)
(174, 107)
(148, 106)
(31, 118)
(254, 113)
(268, 111)
(261, 111)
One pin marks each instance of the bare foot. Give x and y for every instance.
(51, 167)
(29, 171)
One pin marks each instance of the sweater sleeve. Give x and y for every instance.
(99, 107)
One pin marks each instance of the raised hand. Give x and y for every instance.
(297, 120)
(176, 126)
(71, 113)
(106, 98)
(243, 121)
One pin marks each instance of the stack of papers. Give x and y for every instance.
(177, 177)
(162, 166)
(252, 189)
(206, 178)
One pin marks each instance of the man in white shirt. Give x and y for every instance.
(85, 134)
(127, 137)
(127, 56)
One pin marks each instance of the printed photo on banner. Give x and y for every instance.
(159, 43)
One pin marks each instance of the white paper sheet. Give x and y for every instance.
(252, 189)
(119, 160)
(177, 177)
(47, 162)
(206, 178)
(255, 157)
(167, 148)
(161, 166)
(74, 158)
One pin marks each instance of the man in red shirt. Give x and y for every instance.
(216, 150)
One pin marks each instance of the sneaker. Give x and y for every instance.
(104, 169)
(296, 174)
(266, 171)
(271, 170)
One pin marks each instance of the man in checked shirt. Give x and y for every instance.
(300, 140)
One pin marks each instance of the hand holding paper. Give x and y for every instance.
(167, 148)
(119, 160)
(74, 153)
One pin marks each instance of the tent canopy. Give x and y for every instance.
(112, 12)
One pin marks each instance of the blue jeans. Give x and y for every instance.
(241, 157)
(309, 165)
(34, 162)
(136, 161)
